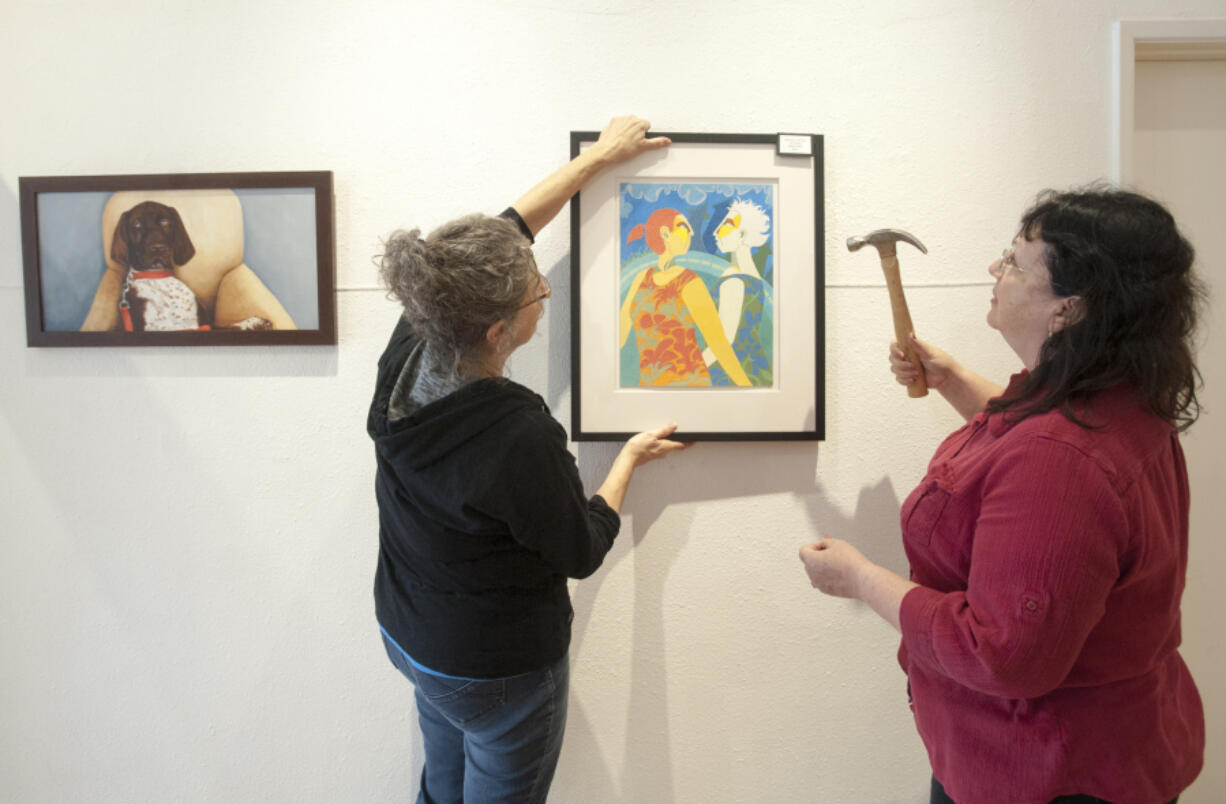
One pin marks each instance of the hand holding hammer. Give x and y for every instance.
(884, 241)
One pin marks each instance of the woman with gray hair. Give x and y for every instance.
(482, 515)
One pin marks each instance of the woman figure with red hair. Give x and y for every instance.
(668, 305)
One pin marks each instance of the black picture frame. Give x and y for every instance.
(284, 220)
(792, 408)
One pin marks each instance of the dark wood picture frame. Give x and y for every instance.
(605, 405)
(68, 256)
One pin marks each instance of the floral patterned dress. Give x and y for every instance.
(665, 333)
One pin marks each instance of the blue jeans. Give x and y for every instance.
(488, 740)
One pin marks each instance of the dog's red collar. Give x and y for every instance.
(152, 274)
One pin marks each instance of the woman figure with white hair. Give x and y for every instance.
(743, 294)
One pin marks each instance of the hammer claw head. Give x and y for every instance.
(884, 238)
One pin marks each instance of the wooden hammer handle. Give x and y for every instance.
(902, 324)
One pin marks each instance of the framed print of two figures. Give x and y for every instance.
(697, 291)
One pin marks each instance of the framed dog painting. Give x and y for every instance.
(697, 281)
(179, 259)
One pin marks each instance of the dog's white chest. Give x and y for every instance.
(169, 304)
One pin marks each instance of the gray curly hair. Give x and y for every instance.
(456, 283)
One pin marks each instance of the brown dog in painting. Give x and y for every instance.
(151, 241)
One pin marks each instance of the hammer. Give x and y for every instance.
(883, 240)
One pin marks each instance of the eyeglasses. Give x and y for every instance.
(548, 292)
(1008, 260)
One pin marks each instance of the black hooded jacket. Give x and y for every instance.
(482, 517)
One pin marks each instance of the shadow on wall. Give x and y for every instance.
(559, 335)
(142, 362)
(873, 527)
(10, 235)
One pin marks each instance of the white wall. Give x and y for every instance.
(189, 535)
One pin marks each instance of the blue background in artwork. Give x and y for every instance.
(704, 205)
(279, 245)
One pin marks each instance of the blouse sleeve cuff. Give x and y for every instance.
(916, 616)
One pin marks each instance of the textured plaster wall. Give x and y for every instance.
(189, 535)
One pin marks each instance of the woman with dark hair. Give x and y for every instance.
(1048, 540)
(482, 515)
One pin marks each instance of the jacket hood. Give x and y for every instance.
(420, 435)
(446, 425)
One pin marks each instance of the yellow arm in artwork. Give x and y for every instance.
(627, 326)
(706, 317)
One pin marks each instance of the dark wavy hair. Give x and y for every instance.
(1121, 254)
